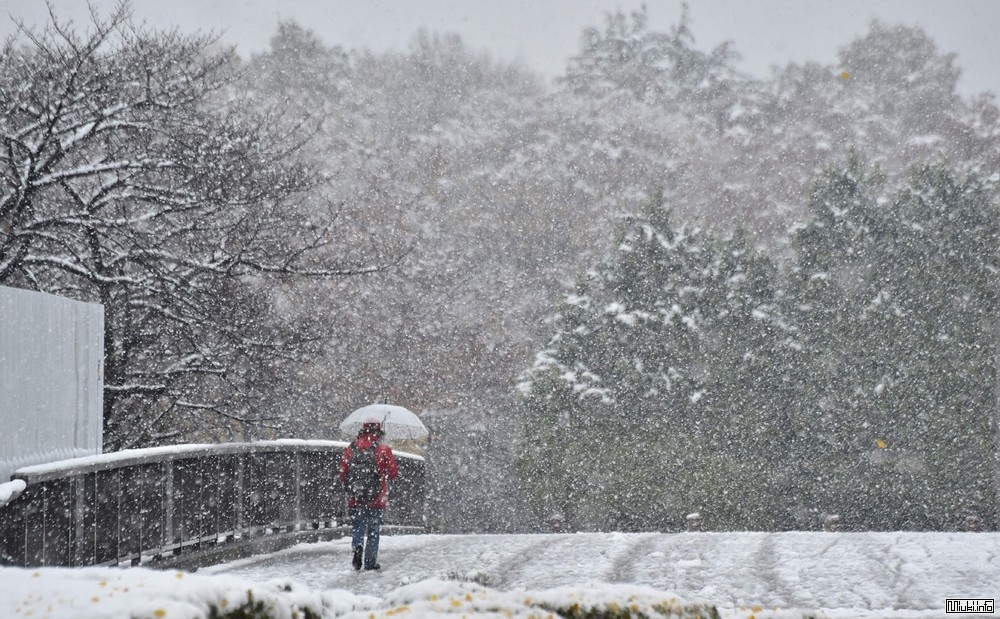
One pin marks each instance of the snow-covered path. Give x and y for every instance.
(841, 574)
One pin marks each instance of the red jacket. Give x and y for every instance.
(386, 465)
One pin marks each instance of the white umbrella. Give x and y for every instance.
(397, 422)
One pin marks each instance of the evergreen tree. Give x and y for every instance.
(828, 282)
(629, 407)
(894, 297)
(938, 282)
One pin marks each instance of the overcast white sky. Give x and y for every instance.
(542, 34)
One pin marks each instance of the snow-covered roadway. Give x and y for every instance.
(892, 575)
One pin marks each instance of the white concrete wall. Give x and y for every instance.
(51, 379)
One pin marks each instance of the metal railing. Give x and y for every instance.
(145, 505)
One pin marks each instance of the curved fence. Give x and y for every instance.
(148, 505)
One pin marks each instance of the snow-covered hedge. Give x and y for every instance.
(91, 593)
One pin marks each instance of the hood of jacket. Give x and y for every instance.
(365, 441)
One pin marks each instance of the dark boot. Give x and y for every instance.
(356, 559)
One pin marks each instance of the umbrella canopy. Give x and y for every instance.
(397, 422)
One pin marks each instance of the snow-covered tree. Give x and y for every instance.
(129, 179)
(300, 71)
(656, 68)
(895, 297)
(631, 404)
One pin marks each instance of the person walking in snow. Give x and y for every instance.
(365, 470)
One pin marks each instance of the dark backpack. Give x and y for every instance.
(364, 481)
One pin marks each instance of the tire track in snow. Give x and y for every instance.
(899, 573)
(775, 589)
(676, 562)
(623, 567)
(507, 573)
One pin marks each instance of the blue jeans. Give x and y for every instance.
(366, 523)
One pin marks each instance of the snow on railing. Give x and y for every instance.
(10, 491)
(147, 505)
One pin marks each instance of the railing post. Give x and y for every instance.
(24, 537)
(297, 464)
(212, 478)
(169, 534)
(240, 494)
(79, 513)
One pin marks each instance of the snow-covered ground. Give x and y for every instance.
(836, 575)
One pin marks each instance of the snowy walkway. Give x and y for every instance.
(858, 575)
